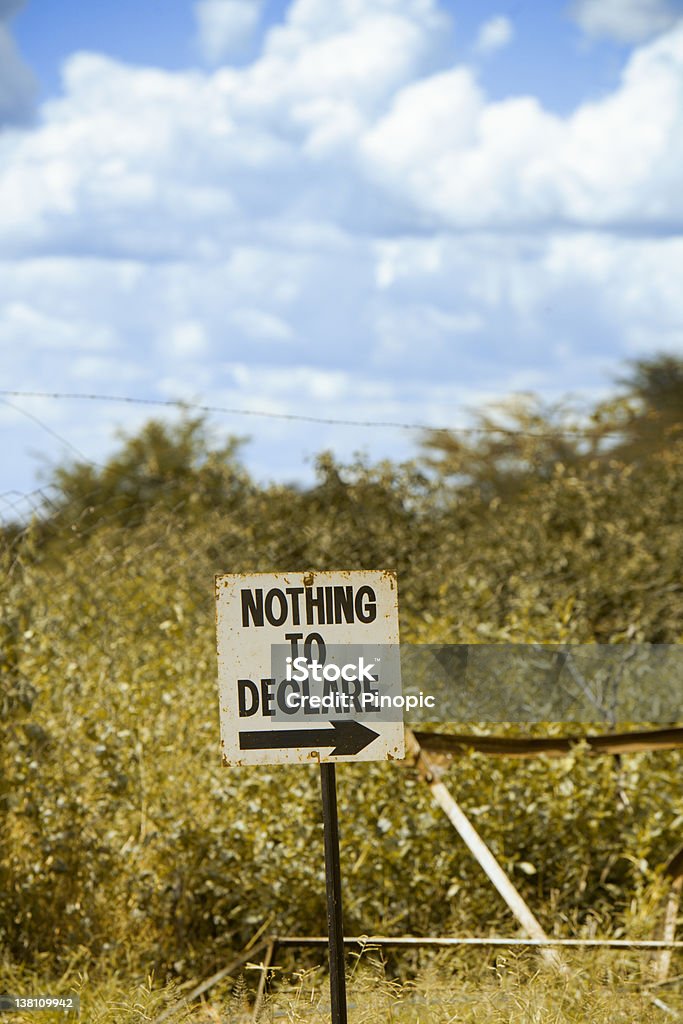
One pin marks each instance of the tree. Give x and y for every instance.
(520, 442)
(513, 443)
(165, 465)
(651, 409)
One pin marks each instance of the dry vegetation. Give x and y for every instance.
(506, 988)
(129, 853)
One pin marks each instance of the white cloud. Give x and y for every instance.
(226, 27)
(334, 126)
(359, 64)
(186, 340)
(494, 34)
(257, 324)
(427, 119)
(626, 21)
(320, 18)
(465, 162)
(439, 329)
(305, 382)
(23, 326)
(105, 371)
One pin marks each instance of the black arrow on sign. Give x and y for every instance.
(345, 737)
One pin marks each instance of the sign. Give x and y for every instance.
(309, 667)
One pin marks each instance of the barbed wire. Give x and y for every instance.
(585, 433)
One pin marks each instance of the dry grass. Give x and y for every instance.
(598, 988)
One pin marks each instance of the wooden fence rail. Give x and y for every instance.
(551, 746)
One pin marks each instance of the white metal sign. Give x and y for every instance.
(309, 668)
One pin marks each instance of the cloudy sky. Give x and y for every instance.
(386, 210)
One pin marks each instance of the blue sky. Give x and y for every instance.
(366, 209)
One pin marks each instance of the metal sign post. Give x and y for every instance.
(309, 673)
(335, 925)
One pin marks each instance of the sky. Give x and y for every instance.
(370, 210)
